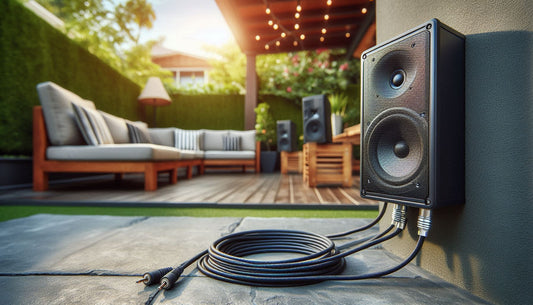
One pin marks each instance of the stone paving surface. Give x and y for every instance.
(54, 259)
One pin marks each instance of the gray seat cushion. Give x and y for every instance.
(228, 155)
(59, 115)
(114, 152)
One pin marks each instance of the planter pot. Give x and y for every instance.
(336, 124)
(15, 171)
(269, 161)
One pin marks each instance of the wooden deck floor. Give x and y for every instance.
(211, 188)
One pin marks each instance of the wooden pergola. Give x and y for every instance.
(280, 26)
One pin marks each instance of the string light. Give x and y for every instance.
(347, 35)
(283, 34)
(322, 38)
(328, 2)
(275, 26)
(298, 7)
(270, 22)
(302, 37)
(267, 47)
(257, 37)
(326, 17)
(364, 10)
(297, 15)
(295, 43)
(278, 43)
(296, 26)
(324, 30)
(267, 11)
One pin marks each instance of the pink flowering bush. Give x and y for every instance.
(295, 75)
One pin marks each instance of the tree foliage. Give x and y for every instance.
(291, 75)
(111, 30)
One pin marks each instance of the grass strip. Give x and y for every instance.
(8, 212)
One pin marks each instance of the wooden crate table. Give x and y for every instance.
(327, 164)
(291, 162)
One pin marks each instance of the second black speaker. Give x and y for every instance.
(317, 119)
(286, 135)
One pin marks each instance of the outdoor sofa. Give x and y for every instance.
(71, 135)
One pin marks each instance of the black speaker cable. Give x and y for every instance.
(227, 259)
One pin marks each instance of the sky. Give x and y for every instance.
(188, 25)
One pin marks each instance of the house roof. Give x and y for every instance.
(161, 51)
(348, 24)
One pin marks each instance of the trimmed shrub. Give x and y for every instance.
(34, 52)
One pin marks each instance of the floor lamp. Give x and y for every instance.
(154, 94)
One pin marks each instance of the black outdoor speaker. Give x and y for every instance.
(317, 119)
(413, 118)
(286, 136)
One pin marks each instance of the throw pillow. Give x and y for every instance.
(231, 142)
(92, 125)
(100, 129)
(137, 133)
(84, 125)
(187, 139)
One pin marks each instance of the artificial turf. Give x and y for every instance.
(8, 212)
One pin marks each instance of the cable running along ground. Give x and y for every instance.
(227, 259)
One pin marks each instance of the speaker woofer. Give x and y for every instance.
(397, 141)
(313, 129)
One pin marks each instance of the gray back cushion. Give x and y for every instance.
(213, 139)
(247, 138)
(117, 127)
(59, 115)
(162, 136)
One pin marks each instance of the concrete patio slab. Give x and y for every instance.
(53, 259)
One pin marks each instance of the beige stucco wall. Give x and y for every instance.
(484, 246)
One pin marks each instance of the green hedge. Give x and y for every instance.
(31, 52)
(201, 111)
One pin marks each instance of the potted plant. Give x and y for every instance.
(265, 129)
(338, 102)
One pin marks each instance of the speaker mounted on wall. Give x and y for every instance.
(412, 118)
(286, 135)
(317, 119)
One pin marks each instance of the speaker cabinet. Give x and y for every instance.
(412, 106)
(286, 136)
(317, 119)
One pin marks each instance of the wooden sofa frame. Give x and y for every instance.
(42, 167)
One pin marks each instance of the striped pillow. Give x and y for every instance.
(138, 133)
(231, 142)
(187, 139)
(92, 126)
